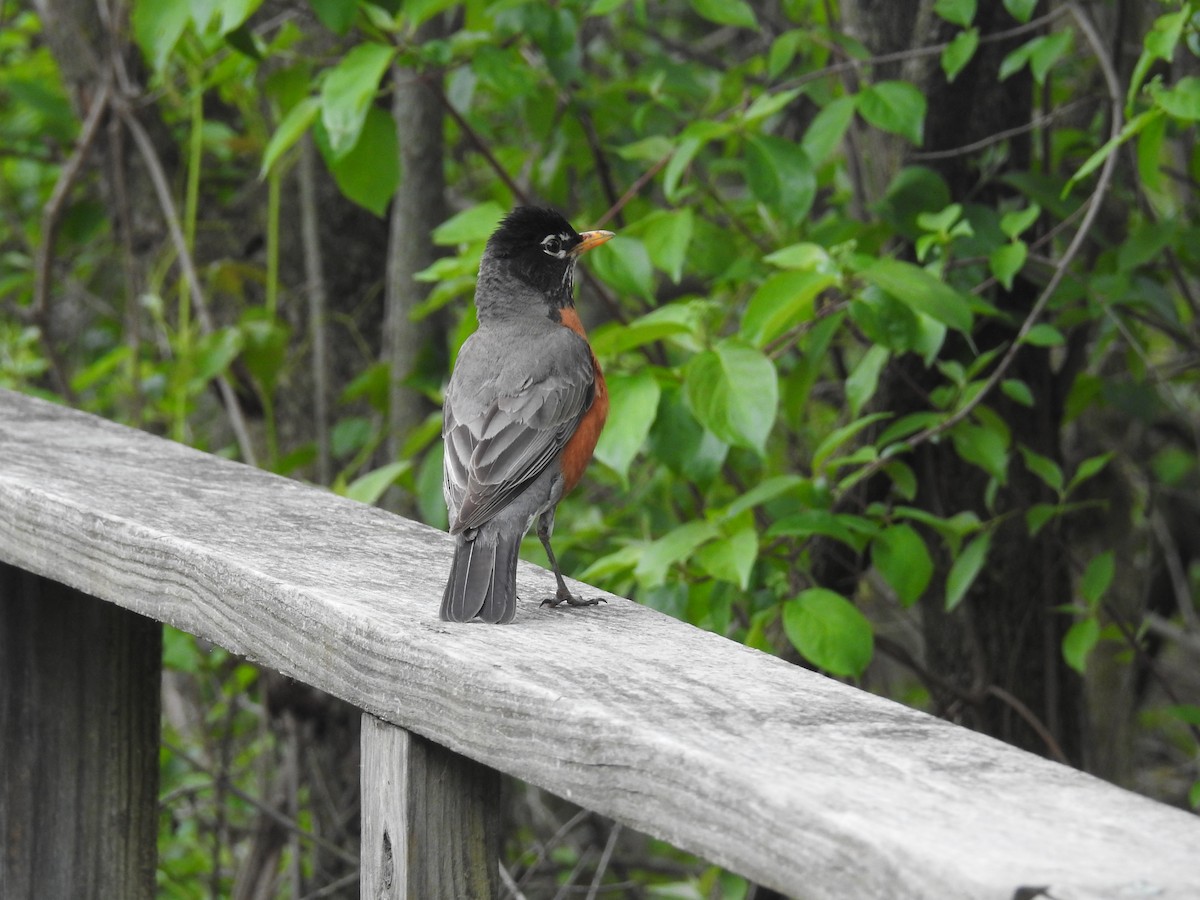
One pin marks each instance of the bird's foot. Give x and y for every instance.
(571, 600)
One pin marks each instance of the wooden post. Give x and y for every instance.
(430, 828)
(79, 719)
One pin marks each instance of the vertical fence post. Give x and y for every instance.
(430, 828)
(79, 719)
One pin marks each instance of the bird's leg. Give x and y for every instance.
(564, 595)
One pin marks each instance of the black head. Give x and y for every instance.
(539, 247)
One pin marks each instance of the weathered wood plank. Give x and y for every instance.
(79, 701)
(430, 820)
(790, 778)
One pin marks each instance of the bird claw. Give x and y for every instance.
(571, 600)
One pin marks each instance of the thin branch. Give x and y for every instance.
(269, 811)
(1103, 182)
(314, 278)
(1030, 719)
(158, 178)
(51, 215)
(509, 884)
(1165, 628)
(984, 143)
(1175, 571)
(602, 865)
(480, 145)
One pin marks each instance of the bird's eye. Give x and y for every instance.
(552, 245)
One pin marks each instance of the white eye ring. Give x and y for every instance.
(552, 244)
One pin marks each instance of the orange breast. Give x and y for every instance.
(578, 452)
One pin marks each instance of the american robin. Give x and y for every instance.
(524, 408)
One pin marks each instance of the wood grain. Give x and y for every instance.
(79, 714)
(430, 819)
(792, 779)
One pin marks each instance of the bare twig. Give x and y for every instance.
(1165, 628)
(983, 143)
(51, 215)
(265, 809)
(509, 884)
(480, 145)
(314, 277)
(158, 178)
(602, 865)
(1009, 700)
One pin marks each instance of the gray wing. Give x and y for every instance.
(497, 443)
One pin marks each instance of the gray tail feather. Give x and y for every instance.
(483, 579)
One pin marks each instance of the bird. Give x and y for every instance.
(523, 410)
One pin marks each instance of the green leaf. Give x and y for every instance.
(1044, 335)
(853, 531)
(783, 50)
(157, 27)
(896, 107)
(613, 338)
(1006, 261)
(1044, 468)
(1078, 643)
(862, 382)
(1089, 468)
(956, 12)
(1182, 100)
(214, 353)
(829, 631)
(826, 130)
(762, 492)
(264, 347)
(369, 172)
(781, 176)
(901, 557)
(682, 444)
(1021, 10)
(691, 141)
(679, 543)
(734, 391)
(624, 263)
(803, 257)
(983, 447)
(1014, 223)
(1133, 127)
(782, 301)
(235, 12)
(370, 487)
(294, 124)
(347, 93)
(1038, 515)
(336, 15)
(1097, 578)
(766, 105)
(965, 569)
(472, 225)
(1159, 43)
(1017, 391)
(633, 402)
(731, 558)
(1048, 50)
(1184, 712)
(666, 235)
(922, 292)
(959, 53)
(840, 436)
(726, 12)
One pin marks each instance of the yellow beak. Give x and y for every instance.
(590, 239)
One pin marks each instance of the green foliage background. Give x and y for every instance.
(751, 315)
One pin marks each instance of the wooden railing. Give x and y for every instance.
(789, 778)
